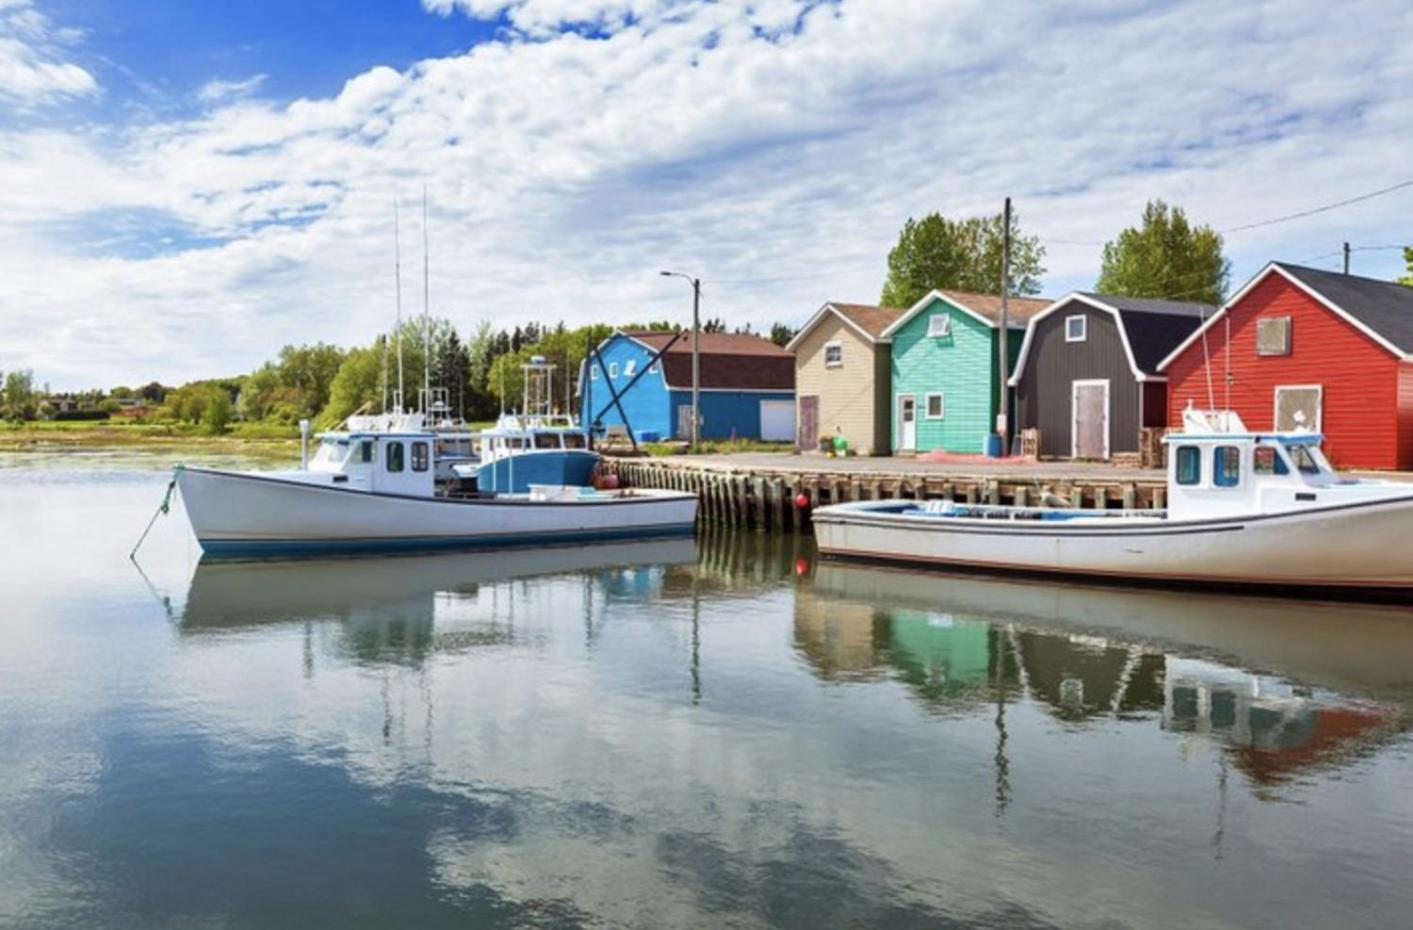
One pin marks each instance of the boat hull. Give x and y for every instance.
(243, 515)
(1359, 546)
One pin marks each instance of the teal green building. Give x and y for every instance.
(946, 378)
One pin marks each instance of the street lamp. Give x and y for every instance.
(696, 352)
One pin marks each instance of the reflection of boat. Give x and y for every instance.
(1361, 645)
(1250, 509)
(227, 593)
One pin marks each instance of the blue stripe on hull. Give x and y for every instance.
(225, 548)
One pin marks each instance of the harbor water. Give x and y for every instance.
(723, 732)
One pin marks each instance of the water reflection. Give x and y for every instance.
(730, 734)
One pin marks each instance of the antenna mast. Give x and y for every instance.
(426, 314)
(397, 334)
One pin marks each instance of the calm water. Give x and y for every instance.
(719, 733)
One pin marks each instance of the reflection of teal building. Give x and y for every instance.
(942, 657)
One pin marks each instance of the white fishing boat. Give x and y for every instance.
(371, 487)
(1245, 509)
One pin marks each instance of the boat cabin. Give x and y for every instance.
(1217, 468)
(388, 463)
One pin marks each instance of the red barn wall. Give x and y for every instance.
(1367, 414)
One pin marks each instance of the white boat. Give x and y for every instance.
(1245, 509)
(372, 487)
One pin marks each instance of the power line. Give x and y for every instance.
(1325, 208)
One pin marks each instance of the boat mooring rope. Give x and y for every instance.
(162, 508)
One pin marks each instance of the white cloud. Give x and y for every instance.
(776, 161)
(218, 90)
(32, 71)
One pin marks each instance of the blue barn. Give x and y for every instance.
(747, 387)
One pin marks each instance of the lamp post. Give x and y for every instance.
(696, 352)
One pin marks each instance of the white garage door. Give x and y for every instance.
(777, 420)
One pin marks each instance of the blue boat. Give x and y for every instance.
(519, 452)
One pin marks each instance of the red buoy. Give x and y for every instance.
(801, 501)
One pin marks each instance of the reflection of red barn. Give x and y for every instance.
(1302, 347)
(1325, 735)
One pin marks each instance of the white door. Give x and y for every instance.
(777, 420)
(907, 421)
(684, 421)
(1089, 425)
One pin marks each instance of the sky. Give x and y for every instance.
(186, 187)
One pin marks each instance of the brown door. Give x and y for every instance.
(807, 432)
(1090, 429)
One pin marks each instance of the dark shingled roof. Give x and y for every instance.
(736, 361)
(1155, 327)
(1383, 306)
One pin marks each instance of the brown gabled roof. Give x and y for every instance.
(729, 361)
(1019, 310)
(870, 319)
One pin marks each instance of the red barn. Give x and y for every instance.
(1297, 347)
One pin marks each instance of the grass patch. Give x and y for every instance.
(717, 447)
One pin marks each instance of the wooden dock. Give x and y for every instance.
(758, 494)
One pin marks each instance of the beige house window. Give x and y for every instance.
(833, 354)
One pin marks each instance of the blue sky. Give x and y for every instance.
(184, 187)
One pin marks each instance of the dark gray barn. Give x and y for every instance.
(1086, 376)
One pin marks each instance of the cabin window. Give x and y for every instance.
(1268, 461)
(394, 460)
(613, 369)
(939, 325)
(1304, 460)
(575, 441)
(420, 459)
(1273, 336)
(1076, 328)
(833, 354)
(546, 441)
(1226, 466)
(630, 368)
(365, 451)
(934, 408)
(1188, 465)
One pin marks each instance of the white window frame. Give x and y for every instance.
(1319, 390)
(594, 372)
(630, 368)
(838, 363)
(927, 413)
(1074, 414)
(655, 368)
(939, 332)
(1083, 327)
(612, 370)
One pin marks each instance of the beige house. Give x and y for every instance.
(843, 376)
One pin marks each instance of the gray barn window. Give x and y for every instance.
(1273, 336)
(1076, 328)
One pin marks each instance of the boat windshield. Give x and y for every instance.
(546, 441)
(1307, 459)
(331, 452)
(575, 441)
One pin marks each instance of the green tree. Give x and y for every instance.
(20, 399)
(1166, 257)
(306, 372)
(781, 333)
(964, 255)
(1408, 262)
(215, 410)
(359, 383)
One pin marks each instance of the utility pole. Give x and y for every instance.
(696, 351)
(1002, 427)
(1346, 258)
(696, 362)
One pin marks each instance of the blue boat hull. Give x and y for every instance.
(515, 474)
